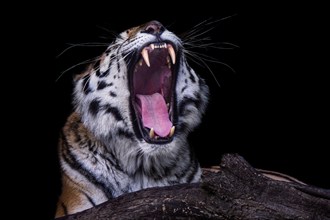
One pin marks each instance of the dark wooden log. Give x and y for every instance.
(237, 191)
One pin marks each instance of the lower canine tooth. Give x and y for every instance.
(152, 133)
(172, 131)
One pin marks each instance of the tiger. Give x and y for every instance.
(133, 109)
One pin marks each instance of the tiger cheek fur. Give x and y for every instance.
(134, 109)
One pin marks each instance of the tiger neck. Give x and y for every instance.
(127, 154)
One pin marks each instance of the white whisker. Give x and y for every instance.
(113, 33)
(196, 39)
(78, 64)
(90, 44)
(87, 81)
(196, 58)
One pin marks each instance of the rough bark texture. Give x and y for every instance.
(237, 191)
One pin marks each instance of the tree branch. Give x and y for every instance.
(237, 191)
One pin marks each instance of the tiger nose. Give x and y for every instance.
(154, 28)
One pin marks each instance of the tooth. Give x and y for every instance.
(152, 46)
(145, 56)
(140, 62)
(152, 133)
(172, 53)
(165, 45)
(172, 131)
(168, 105)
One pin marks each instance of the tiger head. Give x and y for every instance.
(141, 93)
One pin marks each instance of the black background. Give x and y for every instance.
(272, 109)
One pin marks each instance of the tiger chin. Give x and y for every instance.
(133, 111)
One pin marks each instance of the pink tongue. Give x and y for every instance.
(154, 113)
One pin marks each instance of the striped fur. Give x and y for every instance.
(102, 151)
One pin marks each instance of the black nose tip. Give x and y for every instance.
(154, 28)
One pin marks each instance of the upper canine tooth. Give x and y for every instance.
(145, 56)
(152, 46)
(172, 53)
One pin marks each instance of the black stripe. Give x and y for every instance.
(118, 65)
(183, 151)
(153, 172)
(126, 134)
(64, 146)
(114, 111)
(85, 85)
(105, 73)
(113, 94)
(91, 147)
(184, 88)
(98, 72)
(198, 99)
(65, 210)
(112, 56)
(89, 198)
(190, 167)
(193, 167)
(181, 127)
(193, 172)
(192, 77)
(162, 172)
(101, 85)
(77, 135)
(112, 160)
(94, 107)
(188, 101)
(72, 161)
(138, 161)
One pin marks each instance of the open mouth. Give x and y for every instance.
(152, 96)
